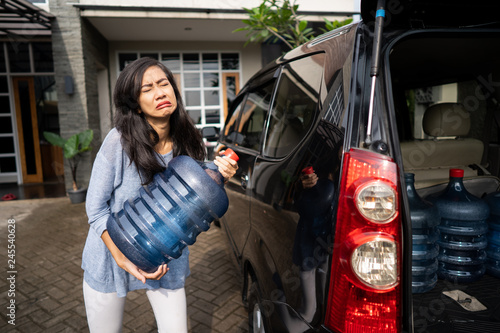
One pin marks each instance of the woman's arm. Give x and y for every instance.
(127, 265)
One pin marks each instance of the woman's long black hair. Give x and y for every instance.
(138, 136)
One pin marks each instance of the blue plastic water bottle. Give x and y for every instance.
(170, 212)
(424, 228)
(493, 249)
(463, 231)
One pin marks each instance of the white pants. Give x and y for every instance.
(105, 310)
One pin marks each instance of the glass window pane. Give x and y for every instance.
(230, 61)
(126, 58)
(210, 61)
(192, 80)
(47, 107)
(5, 125)
(195, 116)
(172, 61)
(212, 116)
(211, 97)
(230, 89)
(210, 80)
(4, 87)
(7, 164)
(24, 89)
(193, 98)
(294, 107)
(19, 57)
(149, 55)
(191, 61)
(42, 57)
(254, 115)
(231, 125)
(6, 145)
(4, 107)
(3, 67)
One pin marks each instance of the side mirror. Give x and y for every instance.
(210, 133)
(236, 138)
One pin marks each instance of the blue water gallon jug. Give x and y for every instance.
(425, 233)
(463, 229)
(170, 212)
(493, 249)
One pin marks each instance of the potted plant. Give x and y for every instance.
(73, 148)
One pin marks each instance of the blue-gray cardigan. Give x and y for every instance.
(113, 181)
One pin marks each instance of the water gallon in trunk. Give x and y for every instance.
(463, 229)
(425, 233)
(493, 249)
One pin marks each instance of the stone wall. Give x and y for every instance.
(77, 50)
(95, 53)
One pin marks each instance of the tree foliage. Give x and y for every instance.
(277, 20)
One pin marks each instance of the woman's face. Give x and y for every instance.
(157, 98)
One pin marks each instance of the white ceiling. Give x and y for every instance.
(165, 29)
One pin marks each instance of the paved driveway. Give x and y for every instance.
(47, 283)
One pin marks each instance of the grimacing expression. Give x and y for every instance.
(157, 97)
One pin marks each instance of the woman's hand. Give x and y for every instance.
(309, 180)
(125, 264)
(227, 166)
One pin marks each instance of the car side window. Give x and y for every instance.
(246, 124)
(231, 129)
(295, 105)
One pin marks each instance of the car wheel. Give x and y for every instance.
(255, 313)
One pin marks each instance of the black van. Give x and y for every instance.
(349, 107)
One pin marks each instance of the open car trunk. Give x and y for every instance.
(458, 69)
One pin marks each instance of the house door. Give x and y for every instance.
(27, 129)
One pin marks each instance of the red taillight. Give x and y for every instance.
(364, 294)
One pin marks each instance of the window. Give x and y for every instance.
(246, 124)
(126, 58)
(19, 57)
(3, 67)
(294, 107)
(42, 57)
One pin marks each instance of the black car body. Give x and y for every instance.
(315, 107)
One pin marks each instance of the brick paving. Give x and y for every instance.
(49, 238)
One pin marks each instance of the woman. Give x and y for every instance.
(151, 127)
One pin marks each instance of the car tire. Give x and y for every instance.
(256, 316)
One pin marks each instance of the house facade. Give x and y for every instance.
(59, 63)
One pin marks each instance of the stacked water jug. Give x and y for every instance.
(493, 249)
(463, 230)
(424, 226)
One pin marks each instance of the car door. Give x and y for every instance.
(292, 223)
(243, 133)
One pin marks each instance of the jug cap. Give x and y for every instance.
(231, 154)
(456, 173)
(308, 170)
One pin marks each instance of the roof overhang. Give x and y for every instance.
(134, 23)
(22, 19)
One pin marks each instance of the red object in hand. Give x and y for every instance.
(231, 154)
(308, 170)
